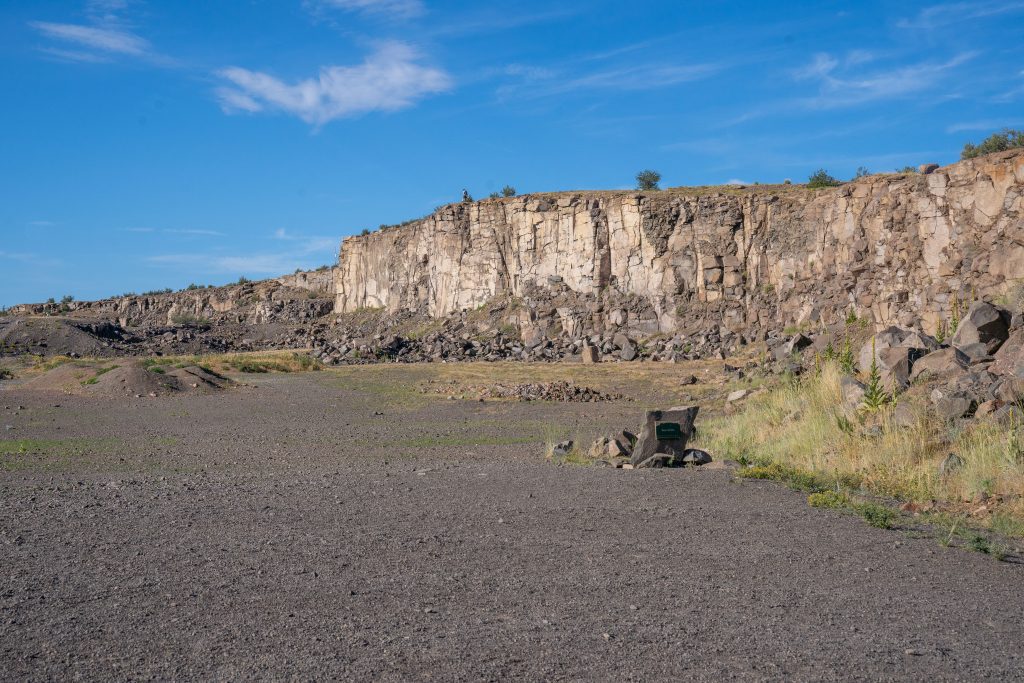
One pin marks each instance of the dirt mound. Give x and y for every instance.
(129, 378)
(53, 336)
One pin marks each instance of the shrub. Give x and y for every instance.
(508, 191)
(66, 299)
(5, 373)
(861, 172)
(494, 195)
(365, 232)
(997, 142)
(876, 515)
(821, 178)
(243, 281)
(648, 180)
(828, 499)
(907, 169)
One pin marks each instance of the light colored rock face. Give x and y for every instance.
(889, 247)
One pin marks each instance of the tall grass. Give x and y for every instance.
(802, 424)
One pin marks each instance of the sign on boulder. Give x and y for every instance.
(662, 441)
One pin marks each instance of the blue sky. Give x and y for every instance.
(153, 144)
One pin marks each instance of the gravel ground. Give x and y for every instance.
(313, 528)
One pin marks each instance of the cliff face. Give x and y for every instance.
(896, 248)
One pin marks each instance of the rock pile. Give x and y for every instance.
(662, 443)
(980, 372)
(531, 391)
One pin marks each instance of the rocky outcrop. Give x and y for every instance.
(896, 249)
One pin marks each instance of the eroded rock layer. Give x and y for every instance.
(896, 248)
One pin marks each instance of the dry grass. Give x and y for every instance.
(655, 384)
(799, 425)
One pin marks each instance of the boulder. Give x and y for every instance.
(887, 338)
(737, 395)
(590, 354)
(852, 393)
(894, 365)
(975, 353)
(665, 433)
(923, 343)
(941, 363)
(984, 323)
(625, 440)
(950, 405)
(951, 463)
(1009, 390)
(694, 457)
(1010, 356)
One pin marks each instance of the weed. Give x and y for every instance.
(829, 499)
(878, 516)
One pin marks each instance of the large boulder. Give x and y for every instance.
(886, 339)
(852, 393)
(894, 365)
(1010, 356)
(941, 363)
(664, 436)
(951, 405)
(984, 323)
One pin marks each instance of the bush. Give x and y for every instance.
(861, 172)
(997, 142)
(821, 178)
(508, 191)
(66, 299)
(648, 180)
(243, 281)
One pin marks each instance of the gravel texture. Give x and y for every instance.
(311, 528)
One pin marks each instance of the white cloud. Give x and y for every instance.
(987, 125)
(400, 9)
(838, 90)
(390, 79)
(956, 12)
(106, 40)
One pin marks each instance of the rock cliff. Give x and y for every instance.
(895, 248)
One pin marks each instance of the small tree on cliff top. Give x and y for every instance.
(997, 142)
(821, 178)
(648, 180)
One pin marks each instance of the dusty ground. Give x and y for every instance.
(342, 524)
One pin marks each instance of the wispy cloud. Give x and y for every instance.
(103, 39)
(199, 232)
(305, 243)
(397, 9)
(952, 13)
(837, 89)
(498, 19)
(986, 125)
(390, 79)
(30, 258)
(541, 82)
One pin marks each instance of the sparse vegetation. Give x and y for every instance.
(242, 281)
(861, 172)
(799, 427)
(189, 320)
(821, 178)
(508, 191)
(997, 142)
(647, 180)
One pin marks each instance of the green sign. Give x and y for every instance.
(668, 431)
